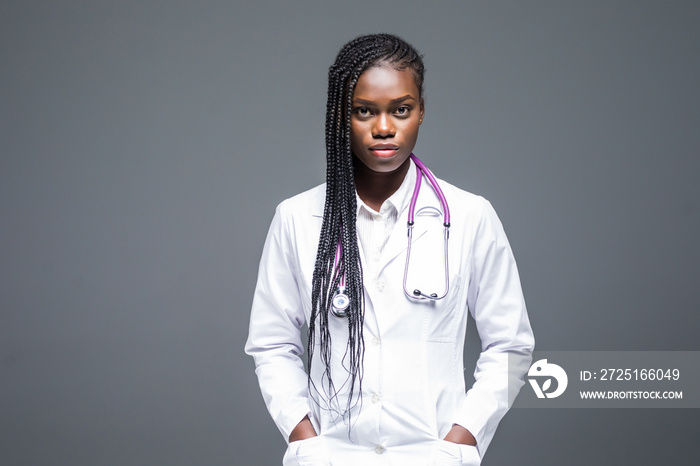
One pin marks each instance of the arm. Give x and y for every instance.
(274, 339)
(496, 302)
(459, 434)
(303, 430)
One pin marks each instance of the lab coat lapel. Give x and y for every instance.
(425, 220)
(370, 317)
(371, 321)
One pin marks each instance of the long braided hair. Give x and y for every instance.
(340, 210)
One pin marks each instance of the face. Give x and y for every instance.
(386, 114)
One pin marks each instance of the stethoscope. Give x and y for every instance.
(341, 302)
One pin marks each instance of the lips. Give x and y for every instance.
(384, 150)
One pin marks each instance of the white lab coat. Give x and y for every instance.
(413, 387)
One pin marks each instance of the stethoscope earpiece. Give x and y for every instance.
(419, 295)
(422, 171)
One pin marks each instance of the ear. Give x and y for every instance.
(422, 109)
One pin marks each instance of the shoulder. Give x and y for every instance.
(474, 216)
(471, 213)
(307, 203)
(464, 202)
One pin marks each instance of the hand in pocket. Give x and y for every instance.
(309, 452)
(453, 454)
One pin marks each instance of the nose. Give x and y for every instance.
(383, 127)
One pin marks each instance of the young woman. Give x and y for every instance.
(384, 265)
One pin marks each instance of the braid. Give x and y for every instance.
(340, 210)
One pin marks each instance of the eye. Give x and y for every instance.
(362, 111)
(403, 110)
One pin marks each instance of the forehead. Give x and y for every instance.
(385, 82)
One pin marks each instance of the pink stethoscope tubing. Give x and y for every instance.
(341, 302)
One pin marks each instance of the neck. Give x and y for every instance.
(376, 187)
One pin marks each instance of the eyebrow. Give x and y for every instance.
(392, 101)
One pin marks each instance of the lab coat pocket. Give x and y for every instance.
(427, 273)
(446, 454)
(442, 319)
(453, 454)
(470, 455)
(309, 452)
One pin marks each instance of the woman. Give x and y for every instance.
(385, 383)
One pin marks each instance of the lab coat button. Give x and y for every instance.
(376, 398)
(379, 449)
(380, 286)
(376, 341)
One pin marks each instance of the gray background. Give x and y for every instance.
(144, 146)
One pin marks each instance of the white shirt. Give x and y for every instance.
(413, 387)
(374, 228)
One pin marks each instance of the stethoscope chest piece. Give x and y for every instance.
(340, 303)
